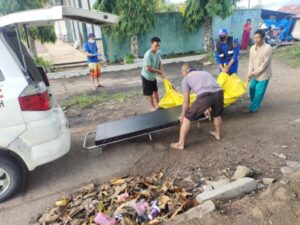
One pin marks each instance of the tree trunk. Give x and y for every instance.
(207, 33)
(134, 46)
(32, 47)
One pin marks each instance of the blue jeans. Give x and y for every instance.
(257, 93)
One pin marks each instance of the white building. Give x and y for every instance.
(73, 31)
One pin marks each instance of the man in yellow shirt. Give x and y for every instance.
(259, 70)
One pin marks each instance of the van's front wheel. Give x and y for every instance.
(11, 177)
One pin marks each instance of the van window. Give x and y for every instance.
(11, 38)
(1, 76)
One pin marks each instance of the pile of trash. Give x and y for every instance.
(126, 201)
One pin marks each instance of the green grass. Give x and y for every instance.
(291, 54)
(211, 56)
(129, 59)
(87, 100)
(40, 61)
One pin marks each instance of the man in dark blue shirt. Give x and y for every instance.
(227, 51)
(91, 51)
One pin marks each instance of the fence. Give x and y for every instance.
(175, 39)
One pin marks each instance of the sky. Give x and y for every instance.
(269, 4)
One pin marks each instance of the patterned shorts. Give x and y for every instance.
(95, 70)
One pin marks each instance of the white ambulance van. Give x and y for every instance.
(33, 127)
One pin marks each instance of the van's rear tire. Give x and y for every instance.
(11, 177)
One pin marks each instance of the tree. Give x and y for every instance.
(164, 6)
(197, 12)
(136, 17)
(44, 34)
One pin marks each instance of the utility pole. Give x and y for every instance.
(249, 3)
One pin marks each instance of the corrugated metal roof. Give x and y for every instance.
(294, 9)
(266, 13)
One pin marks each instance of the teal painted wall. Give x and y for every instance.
(174, 38)
(235, 22)
(115, 50)
(169, 27)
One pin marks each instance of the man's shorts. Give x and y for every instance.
(214, 100)
(95, 71)
(149, 86)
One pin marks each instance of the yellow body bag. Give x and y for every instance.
(173, 98)
(233, 87)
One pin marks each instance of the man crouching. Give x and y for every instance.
(209, 96)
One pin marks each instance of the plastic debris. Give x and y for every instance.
(102, 219)
(124, 201)
(155, 210)
(141, 208)
(123, 197)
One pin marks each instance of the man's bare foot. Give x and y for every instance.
(157, 107)
(177, 146)
(153, 109)
(214, 133)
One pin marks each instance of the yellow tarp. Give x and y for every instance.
(232, 85)
(172, 98)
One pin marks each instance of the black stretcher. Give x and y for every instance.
(135, 126)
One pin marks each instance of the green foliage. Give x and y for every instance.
(195, 11)
(193, 14)
(86, 100)
(164, 6)
(44, 34)
(182, 9)
(40, 61)
(105, 5)
(221, 8)
(11, 6)
(136, 16)
(129, 58)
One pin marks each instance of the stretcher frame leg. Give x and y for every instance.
(85, 146)
(150, 136)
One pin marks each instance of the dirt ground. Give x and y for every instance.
(278, 204)
(248, 139)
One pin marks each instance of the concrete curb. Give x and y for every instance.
(193, 215)
(138, 64)
(229, 191)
